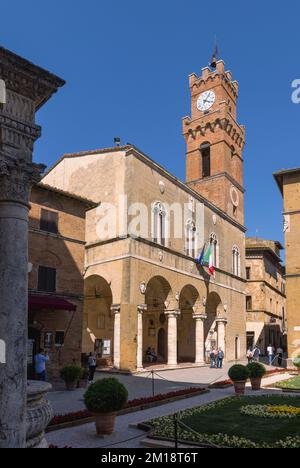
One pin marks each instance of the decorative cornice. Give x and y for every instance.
(232, 129)
(213, 77)
(27, 79)
(17, 175)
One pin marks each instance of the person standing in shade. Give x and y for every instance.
(213, 357)
(40, 365)
(92, 362)
(256, 354)
(220, 358)
(270, 351)
(279, 355)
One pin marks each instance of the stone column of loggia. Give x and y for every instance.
(172, 336)
(221, 324)
(199, 337)
(116, 310)
(140, 311)
(16, 178)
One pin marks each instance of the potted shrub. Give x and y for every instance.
(239, 375)
(105, 398)
(296, 363)
(83, 378)
(71, 375)
(257, 371)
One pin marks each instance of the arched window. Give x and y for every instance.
(205, 153)
(213, 240)
(191, 238)
(236, 261)
(159, 224)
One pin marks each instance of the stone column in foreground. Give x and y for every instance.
(24, 88)
(199, 337)
(221, 323)
(141, 309)
(116, 310)
(172, 336)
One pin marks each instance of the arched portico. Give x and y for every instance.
(215, 325)
(186, 329)
(158, 298)
(100, 319)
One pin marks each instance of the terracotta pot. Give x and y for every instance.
(256, 383)
(105, 423)
(71, 386)
(240, 387)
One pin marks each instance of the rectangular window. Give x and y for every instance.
(59, 339)
(49, 221)
(48, 340)
(248, 273)
(249, 302)
(46, 279)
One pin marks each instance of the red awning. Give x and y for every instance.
(49, 302)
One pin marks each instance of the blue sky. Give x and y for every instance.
(127, 63)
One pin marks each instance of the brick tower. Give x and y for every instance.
(215, 141)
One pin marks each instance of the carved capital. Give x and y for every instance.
(142, 308)
(200, 317)
(16, 178)
(116, 309)
(172, 313)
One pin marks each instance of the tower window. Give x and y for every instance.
(206, 166)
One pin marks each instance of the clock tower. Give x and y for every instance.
(215, 141)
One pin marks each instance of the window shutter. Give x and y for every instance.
(47, 279)
(49, 221)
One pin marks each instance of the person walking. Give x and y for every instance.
(213, 357)
(270, 352)
(40, 365)
(250, 355)
(92, 362)
(256, 354)
(279, 353)
(220, 358)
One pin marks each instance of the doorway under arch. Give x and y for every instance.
(162, 344)
(186, 324)
(155, 323)
(98, 318)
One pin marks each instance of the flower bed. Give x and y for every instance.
(225, 426)
(139, 402)
(269, 411)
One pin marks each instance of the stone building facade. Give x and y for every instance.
(289, 185)
(265, 294)
(143, 287)
(56, 264)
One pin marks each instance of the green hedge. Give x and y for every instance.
(106, 396)
(238, 373)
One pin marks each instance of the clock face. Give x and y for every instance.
(206, 100)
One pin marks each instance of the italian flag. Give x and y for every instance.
(208, 259)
